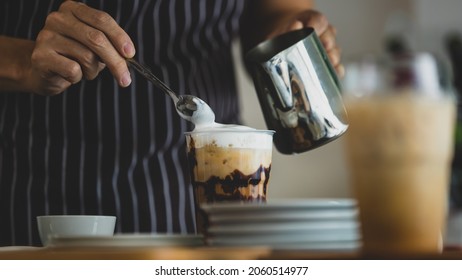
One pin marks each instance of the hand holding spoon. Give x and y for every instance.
(189, 107)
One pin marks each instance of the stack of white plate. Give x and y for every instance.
(308, 224)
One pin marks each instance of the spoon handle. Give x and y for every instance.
(147, 73)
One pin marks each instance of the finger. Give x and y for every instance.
(88, 61)
(51, 63)
(58, 71)
(296, 25)
(328, 38)
(95, 40)
(335, 59)
(98, 43)
(334, 56)
(55, 84)
(340, 69)
(105, 23)
(101, 66)
(67, 68)
(316, 20)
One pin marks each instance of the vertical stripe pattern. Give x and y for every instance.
(101, 149)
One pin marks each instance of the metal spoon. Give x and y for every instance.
(189, 107)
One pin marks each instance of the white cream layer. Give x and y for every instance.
(232, 136)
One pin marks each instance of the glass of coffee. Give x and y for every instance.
(229, 164)
(399, 149)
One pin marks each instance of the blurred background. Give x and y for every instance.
(364, 26)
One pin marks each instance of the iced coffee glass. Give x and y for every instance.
(229, 164)
(399, 149)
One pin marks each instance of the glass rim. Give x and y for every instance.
(75, 216)
(219, 131)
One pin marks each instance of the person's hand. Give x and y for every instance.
(78, 42)
(325, 31)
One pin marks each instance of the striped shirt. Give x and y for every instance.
(105, 150)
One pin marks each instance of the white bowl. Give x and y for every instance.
(74, 226)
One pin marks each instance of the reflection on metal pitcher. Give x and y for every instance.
(298, 91)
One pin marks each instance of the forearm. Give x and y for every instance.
(15, 55)
(262, 17)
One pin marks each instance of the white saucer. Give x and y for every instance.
(282, 227)
(350, 246)
(129, 240)
(287, 215)
(278, 205)
(285, 238)
(312, 246)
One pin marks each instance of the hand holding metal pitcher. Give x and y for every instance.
(298, 91)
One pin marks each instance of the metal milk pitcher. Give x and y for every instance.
(298, 91)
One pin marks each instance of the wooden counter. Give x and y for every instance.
(193, 253)
(134, 253)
